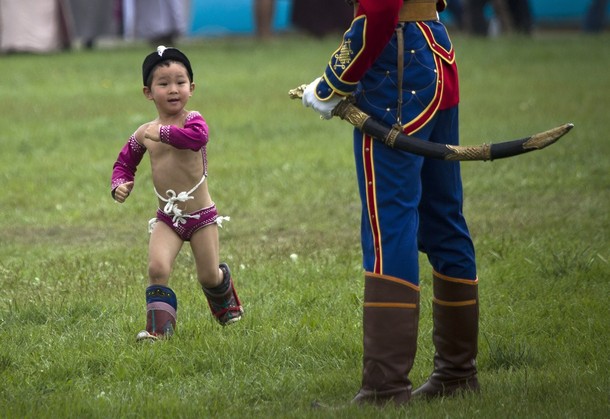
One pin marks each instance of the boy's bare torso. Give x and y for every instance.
(176, 169)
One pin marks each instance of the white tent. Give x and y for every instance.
(151, 19)
(34, 25)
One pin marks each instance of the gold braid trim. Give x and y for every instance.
(454, 303)
(475, 152)
(390, 139)
(345, 110)
(391, 305)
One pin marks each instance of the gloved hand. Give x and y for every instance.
(324, 108)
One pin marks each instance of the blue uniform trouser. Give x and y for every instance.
(410, 203)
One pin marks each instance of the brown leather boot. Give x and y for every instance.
(391, 313)
(455, 313)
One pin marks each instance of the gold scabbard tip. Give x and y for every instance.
(546, 138)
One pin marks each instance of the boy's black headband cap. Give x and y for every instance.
(162, 54)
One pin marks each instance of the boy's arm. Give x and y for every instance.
(193, 136)
(124, 169)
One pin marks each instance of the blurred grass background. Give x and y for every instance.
(73, 263)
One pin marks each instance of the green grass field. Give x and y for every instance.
(73, 262)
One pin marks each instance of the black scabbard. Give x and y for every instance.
(394, 137)
(403, 141)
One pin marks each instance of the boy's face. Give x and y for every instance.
(170, 88)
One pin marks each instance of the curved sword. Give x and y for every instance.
(394, 137)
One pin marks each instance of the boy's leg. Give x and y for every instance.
(163, 248)
(215, 279)
(206, 250)
(161, 301)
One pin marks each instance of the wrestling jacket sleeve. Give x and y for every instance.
(193, 136)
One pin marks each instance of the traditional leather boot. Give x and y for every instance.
(455, 312)
(161, 307)
(223, 300)
(390, 317)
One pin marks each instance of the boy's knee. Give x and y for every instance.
(158, 271)
(210, 278)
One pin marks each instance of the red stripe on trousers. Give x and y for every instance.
(369, 176)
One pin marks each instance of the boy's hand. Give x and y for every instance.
(152, 132)
(122, 191)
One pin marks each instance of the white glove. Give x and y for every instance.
(324, 108)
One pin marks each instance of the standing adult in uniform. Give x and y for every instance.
(398, 62)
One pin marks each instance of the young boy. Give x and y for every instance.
(176, 143)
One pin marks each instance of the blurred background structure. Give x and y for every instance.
(52, 25)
